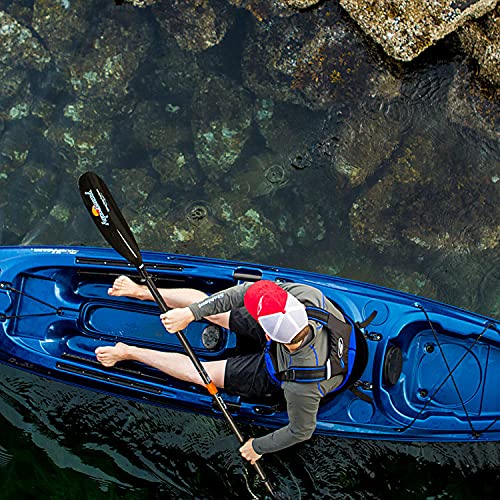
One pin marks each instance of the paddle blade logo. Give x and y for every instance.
(96, 209)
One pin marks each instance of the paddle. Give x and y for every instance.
(113, 226)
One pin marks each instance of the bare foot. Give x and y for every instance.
(109, 355)
(125, 287)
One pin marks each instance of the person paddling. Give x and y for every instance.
(262, 314)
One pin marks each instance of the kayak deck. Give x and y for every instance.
(55, 311)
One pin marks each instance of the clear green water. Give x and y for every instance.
(428, 225)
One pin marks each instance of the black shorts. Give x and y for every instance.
(246, 374)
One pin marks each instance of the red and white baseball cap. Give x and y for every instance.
(278, 312)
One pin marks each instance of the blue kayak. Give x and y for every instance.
(430, 371)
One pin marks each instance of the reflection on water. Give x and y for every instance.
(100, 446)
(289, 141)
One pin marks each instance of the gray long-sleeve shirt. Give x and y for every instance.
(302, 398)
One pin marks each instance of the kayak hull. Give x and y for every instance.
(55, 311)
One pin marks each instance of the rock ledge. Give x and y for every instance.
(405, 28)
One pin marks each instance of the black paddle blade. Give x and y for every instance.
(107, 217)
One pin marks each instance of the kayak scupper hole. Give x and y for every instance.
(423, 393)
(429, 348)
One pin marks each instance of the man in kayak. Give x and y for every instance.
(259, 312)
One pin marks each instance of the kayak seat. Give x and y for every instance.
(360, 362)
(361, 359)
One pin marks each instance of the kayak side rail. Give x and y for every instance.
(123, 263)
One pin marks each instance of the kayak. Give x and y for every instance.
(430, 370)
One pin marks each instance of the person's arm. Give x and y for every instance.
(302, 411)
(219, 302)
(179, 318)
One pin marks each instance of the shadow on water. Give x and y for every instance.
(57, 441)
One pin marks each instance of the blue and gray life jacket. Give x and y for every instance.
(342, 347)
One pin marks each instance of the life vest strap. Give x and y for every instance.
(303, 374)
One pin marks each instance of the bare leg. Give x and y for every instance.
(174, 364)
(174, 297)
(123, 286)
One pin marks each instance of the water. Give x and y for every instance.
(82, 444)
(384, 173)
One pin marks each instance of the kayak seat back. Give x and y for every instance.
(360, 363)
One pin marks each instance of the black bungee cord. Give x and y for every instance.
(475, 433)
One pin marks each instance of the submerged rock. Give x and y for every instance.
(368, 138)
(142, 3)
(133, 185)
(287, 129)
(468, 105)
(469, 280)
(28, 195)
(15, 145)
(103, 74)
(312, 58)
(222, 117)
(63, 26)
(98, 56)
(264, 9)
(98, 67)
(176, 168)
(406, 28)
(20, 54)
(249, 230)
(18, 46)
(226, 226)
(159, 128)
(481, 41)
(176, 74)
(20, 10)
(148, 221)
(196, 25)
(83, 145)
(410, 282)
(423, 202)
(260, 176)
(252, 231)
(12, 80)
(307, 223)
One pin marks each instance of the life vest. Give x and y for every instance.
(341, 353)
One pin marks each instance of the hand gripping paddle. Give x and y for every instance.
(113, 226)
